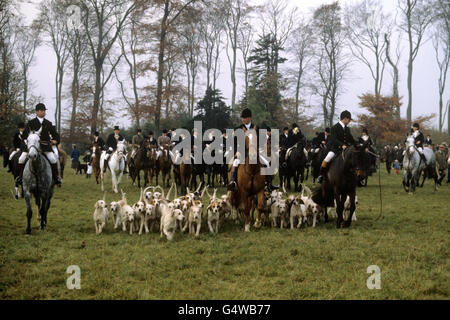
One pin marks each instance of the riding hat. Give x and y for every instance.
(21, 125)
(246, 113)
(150, 132)
(116, 128)
(416, 125)
(40, 106)
(96, 133)
(346, 114)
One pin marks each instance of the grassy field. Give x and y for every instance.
(410, 245)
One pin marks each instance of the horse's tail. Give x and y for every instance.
(324, 196)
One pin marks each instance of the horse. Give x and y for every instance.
(316, 161)
(165, 163)
(341, 180)
(296, 164)
(62, 159)
(116, 165)
(95, 160)
(140, 162)
(153, 163)
(250, 183)
(37, 181)
(413, 166)
(13, 167)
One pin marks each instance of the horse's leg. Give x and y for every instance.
(339, 209)
(296, 178)
(247, 214)
(29, 211)
(137, 173)
(261, 201)
(43, 212)
(348, 222)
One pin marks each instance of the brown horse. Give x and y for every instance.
(140, 162)
(165, 163)
(153, 169)
(62, 159)
(250, 183)
(185, 175)
(95, 161)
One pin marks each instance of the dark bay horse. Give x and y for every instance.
(95, 161)
(140, 162)
(296, 164)
(37, 181)
(343, 175)
(165, 163)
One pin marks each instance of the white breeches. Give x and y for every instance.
(329, 156)
(13, 153)
(55, 151)
(236, 161)
(420, 149)
(50, 156)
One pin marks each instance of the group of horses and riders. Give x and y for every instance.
(338, 161)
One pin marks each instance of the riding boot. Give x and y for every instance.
(56, 178)
(323, 171)
(270, 186)
(422, 156)
(20, 167)
(125, 168)
(233, 183)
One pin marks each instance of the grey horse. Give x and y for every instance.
(37, 181)
(413, 166)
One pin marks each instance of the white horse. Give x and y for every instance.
(116, 165)
(413, 166)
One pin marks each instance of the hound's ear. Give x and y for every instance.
(301, 201)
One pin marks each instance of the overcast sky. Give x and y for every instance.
(425, 76)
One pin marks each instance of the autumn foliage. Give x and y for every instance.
(382, 120)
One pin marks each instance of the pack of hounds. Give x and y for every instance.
(154, 209)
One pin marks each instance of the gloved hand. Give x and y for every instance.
(110, 149)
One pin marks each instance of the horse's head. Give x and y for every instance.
(33, 145)
(409, 141)
(358, 158)
(121, 147)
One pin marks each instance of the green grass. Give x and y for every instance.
(410, 245)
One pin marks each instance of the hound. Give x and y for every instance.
(195, 217)
(279, 212)
(127, 214)
(169, 220)
(100, 215)
(116, 213)
(298, 211)
(213, 212)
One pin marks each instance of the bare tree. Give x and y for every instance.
(366, 26)
(441, 44)
(171, 10)
(28, 39)
(235, 12)
(278, 21)
(332, 63)
(128, 45)
(211, 27)
(103, 21)
(417, 16)
(78, 51)
(302, 48)
(190, 45)
(245, 41)
(394, 61)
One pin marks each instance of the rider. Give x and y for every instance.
(111, 143)
(163, 140)
(296, 138)
(48, 135)
(340, 139)
(152, 140)
(136, 142)
(246, 118)
(418, 140)
(18, 142)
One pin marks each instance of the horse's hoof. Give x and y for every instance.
(257, 224)
(28, 231)
(247, 228)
